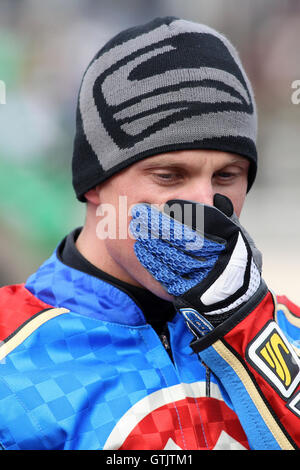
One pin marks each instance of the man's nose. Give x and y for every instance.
(201, 191)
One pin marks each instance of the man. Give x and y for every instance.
(123, 340)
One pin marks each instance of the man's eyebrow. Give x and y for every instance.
(163, 163)
(237, 160)
(168, 162)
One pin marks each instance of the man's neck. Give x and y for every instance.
(156, 310)
(94, 250)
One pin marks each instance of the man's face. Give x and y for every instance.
(195, 175)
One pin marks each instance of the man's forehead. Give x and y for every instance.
(192, 157)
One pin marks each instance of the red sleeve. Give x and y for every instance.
(272, 362)
(260, 371)
(17, 306)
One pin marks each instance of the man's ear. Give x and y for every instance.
(92, 195)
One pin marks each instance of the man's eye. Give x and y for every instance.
(167, 177)
(225, 174)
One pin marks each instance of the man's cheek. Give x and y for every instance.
(237, 198)
(238, 205)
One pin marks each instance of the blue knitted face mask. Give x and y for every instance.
(176, 255)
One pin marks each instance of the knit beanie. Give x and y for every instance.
(168, 85)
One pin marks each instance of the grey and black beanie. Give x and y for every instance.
(167, 85)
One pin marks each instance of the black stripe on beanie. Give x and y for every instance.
(168, 85)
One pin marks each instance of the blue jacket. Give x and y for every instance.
(81, 369)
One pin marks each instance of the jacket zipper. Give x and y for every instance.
(166, 344)
(207, 378)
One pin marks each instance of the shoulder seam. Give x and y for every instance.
(27, 328)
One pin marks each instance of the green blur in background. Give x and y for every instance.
(44, 50)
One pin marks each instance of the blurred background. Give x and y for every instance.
(44, 50)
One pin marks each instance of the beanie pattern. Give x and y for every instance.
(168, 85)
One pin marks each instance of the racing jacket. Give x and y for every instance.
(81, 369)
